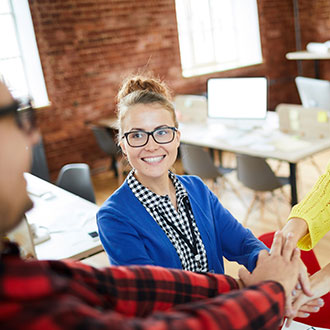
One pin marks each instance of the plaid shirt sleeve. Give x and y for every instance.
(66, 295)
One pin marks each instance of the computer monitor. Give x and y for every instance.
(314, 93)
(237, 98)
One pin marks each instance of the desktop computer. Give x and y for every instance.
(239, 102)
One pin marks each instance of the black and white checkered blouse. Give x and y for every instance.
(175, 223)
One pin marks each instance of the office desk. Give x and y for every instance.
(68, 219)
(266, 142)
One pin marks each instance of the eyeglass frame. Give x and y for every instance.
(174, 129)
(23, 112)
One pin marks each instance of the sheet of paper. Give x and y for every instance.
(291, 143)
(322, 116)
(294, 119)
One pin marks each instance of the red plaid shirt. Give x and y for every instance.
(49, 295)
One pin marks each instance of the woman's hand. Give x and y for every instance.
(298, 228)
(304, 282)
(303, 304)
(281, 265)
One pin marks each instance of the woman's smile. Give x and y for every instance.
(154, 159)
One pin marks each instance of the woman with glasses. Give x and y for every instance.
(157, 217)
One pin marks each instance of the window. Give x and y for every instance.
(217, 35)
(20, 66)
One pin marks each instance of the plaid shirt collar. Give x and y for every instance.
(148, 198)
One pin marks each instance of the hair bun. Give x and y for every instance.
(143, 83)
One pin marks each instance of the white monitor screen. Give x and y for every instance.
(237, 98)
(314, 93)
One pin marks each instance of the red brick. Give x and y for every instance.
(86, 48)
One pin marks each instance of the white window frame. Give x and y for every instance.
(217, 35)
(29, 54)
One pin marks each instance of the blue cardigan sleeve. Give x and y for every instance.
(120, 240)
(238, 243)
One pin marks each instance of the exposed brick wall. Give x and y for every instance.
(88, 46)
(315, 26)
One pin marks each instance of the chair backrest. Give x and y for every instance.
(76, 179)
(39, 166)
(105, 140)
(256, 174)
(197, 161)
(321, 318)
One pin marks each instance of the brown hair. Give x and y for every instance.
(142, 90)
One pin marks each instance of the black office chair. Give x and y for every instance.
(106, 142)
(39, 166)
(76, 178)
(197, 161)
(256, 174)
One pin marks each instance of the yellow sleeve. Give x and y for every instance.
(315, 210)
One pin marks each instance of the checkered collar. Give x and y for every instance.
(148, 198)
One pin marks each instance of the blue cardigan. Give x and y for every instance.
(131, 236)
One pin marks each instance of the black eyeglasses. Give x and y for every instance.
(23, 113)
(139, 138)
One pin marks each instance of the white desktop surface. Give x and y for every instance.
(68, 219)
(265, 141)
(301, 326)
